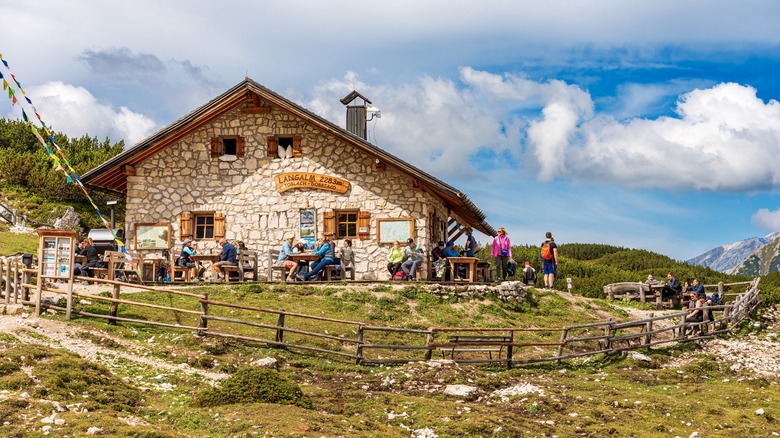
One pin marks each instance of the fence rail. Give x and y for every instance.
(365, 344)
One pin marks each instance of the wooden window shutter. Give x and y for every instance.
(297, 146)
(185, 226)
(219, 225)
(363, 224)
(240, 147)
(215, 147)
(272, 146)
(329, 224)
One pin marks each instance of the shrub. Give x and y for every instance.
(252, 385)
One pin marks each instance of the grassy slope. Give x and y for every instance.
(598, 396)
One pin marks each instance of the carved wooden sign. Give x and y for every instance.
(306, 180)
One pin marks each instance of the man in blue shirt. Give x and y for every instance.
(471, 243)
(226, 258)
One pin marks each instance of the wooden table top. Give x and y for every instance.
(206, 257)
(304, 257)
(462, 259)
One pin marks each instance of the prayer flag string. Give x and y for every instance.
(58, 157)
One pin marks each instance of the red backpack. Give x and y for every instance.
(400, 276)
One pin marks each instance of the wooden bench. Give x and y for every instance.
(473, 344)
(639, 291)
(120, 267)
(347, 264)
(273, 255)
(246, 261)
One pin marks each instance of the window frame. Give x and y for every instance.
(338, 223)
(196, 226)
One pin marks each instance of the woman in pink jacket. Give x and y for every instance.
(501, 251)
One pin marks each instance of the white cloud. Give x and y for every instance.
(723, 138)
(766, 220)
(75, 111)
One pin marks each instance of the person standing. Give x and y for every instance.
(529, 274)
(471, 243)
(501, 251)
(226, 258)
(549, 256)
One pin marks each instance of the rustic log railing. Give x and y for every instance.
(365, 344)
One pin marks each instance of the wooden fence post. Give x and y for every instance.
(564, 333)
(280, 328)
(112, 311)
(204, 309)
(428, 342)
(359, 352)
(720, 289)
(509, 349)
(649, 329)
(16, 280)
(7, 280)
(26, 277)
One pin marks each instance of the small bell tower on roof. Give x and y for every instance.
(357, 114)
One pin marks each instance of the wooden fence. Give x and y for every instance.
(366, 344)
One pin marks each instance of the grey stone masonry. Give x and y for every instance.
(184, 177)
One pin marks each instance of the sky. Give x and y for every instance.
(652, 125)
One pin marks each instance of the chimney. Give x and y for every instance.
(357, 114)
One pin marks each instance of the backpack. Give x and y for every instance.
(547, 253)
(400, 276)
(511, 269)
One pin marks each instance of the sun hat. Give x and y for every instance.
(187, 241)
(450, 243)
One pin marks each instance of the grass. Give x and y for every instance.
(317, 395)
(14, 243)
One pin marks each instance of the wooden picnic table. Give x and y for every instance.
(471, 267)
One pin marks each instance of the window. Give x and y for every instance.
(341, 224)
(204, 226)
(346, 223)
(227, 147)
(283, 147)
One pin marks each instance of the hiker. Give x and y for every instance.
(549, 256)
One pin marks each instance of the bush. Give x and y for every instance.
(252, 385)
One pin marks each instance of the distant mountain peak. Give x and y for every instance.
(727, 258)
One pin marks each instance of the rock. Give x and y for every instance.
(266, 362)
(94, 431)
(459, 390)
(68, 221)
(639, 356)
(694, 435)
(760, 411)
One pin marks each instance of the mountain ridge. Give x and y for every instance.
(741, 257)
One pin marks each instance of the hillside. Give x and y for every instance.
(85, 377)
(763, 261)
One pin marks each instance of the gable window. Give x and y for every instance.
(228, 147)
(202, 225)
(283, 146)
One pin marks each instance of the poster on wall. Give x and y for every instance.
(308, 227)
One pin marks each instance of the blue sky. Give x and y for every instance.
(650, 125)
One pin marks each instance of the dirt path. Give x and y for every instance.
(57, 334)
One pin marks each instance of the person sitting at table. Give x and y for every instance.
(93, 259)
(186, 258)
(395, 258)
(345, 255)
(440, 263)
(413, 255)
(226, 258)
(78, 266)
(651, 281)
(325, 251)
(672, 288)
(452, 251)
(697, 314)
(284, 251)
